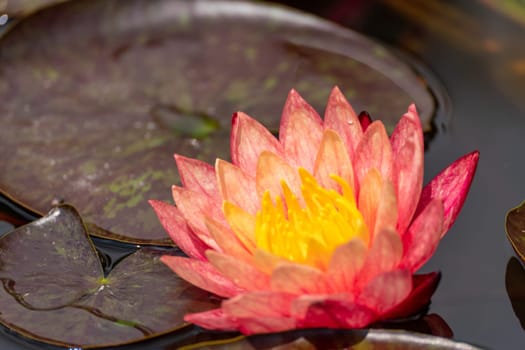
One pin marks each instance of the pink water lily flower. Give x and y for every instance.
(323, 227)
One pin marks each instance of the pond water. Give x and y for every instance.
(477, 54)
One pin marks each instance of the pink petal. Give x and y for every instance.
(175, 224)
(194, 206)
(201, 274)
(237, 187)
(239, 272)
(340, 116)
(214, 319)
(423, 236)
(271, 170)
(299, 279)
(345, 264)
(300, 132)
(377, 202)
(408, 149)
(265, 261)
(261, 312)
(248, 139)
(423, 287)
(386, 290)
(384, 255)
(451, 186)
(227, 240)
(198, 176)
(374, 152)
(333, 159)
(332, 311)
(242, 224)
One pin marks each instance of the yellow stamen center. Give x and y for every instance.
(308, 231)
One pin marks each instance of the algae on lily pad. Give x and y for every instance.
(97, 95)
(54, 288)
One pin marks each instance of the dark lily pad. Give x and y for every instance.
(374, 339)
(98, 94)
(54, 288)
(515, 286)
(515, 228)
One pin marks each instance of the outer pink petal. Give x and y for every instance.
(300, 132)
(201, 274)
(386, 291)
(237, 187)
(195, 206)
(340, 116)
(244, 275)
(261, 312)
(333, 159)
(451, 186)
(384, 255)
(228, 241)
(299, 279)
(347, 260)
(423, 236)
(408, 149)
(175, 224)
(248, 139)
(214, 319)
(198, 176)
(271, 170)
(374, 152)
(423, 287)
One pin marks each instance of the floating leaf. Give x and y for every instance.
(98, 94)
(515, 286)
(374, 339)
(54, 289)
(515, 228)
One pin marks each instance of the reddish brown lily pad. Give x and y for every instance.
(54, 289)
(98, 94)
(515, 228)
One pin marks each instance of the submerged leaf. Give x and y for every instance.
(54, 289)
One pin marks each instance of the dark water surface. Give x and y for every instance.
(478, 55)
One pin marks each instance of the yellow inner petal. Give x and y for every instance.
(308, 231)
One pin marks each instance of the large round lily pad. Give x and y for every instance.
(98, 94)
(54, 288)
(374, 339)
(23, 7)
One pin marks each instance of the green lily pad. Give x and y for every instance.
(98, 94)
(54, 288)
(374, 339)
(515, 228)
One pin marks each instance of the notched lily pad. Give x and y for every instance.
(515, 228)
(374, 339)
(54, 288)
(98, 94)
